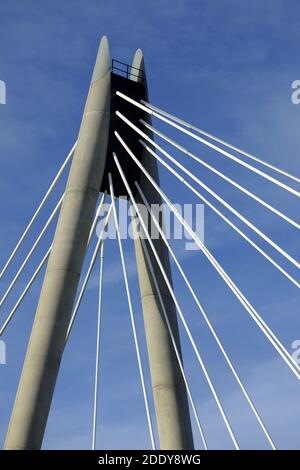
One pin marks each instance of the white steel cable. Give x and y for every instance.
(98, 214)
(220, 214)
(186, 327)
(203, 313)
(209, 144)
(244, 301)
(99, 318)
(26, 289)
(88, 274)
(214, 194)
(218, 267)
(221, 175)
(220, 141)
(31, 251)
(22, 296)
(193, 405)
(132, 319)
(31, 222)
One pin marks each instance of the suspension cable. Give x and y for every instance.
(31, 222)
(26, 289)
(221, 175)
(133, 326)
(209, 144)
(97, 215)
(244, 301)
(220, 141)
(88, 274)
(99, 210)
(186, 327)
(203, 313)
(214, 194)
(99, 318)
(220, 214)
(189, 393)
(31, 251)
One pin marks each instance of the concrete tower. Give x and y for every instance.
(88, 174)
(170, 398)
(47, 341)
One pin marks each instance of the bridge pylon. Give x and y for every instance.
(88, 175)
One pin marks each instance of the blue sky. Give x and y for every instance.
(225, 66)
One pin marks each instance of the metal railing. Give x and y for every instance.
(127, 71)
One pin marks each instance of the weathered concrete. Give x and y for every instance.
(170, 398)
(37, 383)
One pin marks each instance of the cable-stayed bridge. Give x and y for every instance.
(116, 155)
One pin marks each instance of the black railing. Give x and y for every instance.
(127, 71)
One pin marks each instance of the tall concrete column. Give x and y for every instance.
(46, 345)
(170, 398)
